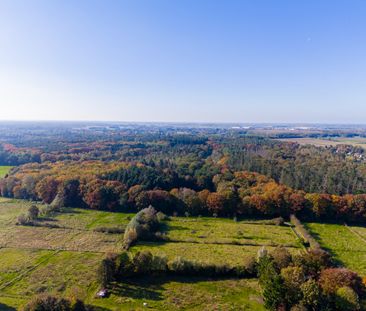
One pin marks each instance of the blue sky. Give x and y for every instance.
(183, 60)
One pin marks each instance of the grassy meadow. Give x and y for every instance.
(343, 243)
(61, 255)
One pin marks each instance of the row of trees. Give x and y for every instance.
(234, 193)
(119, 267)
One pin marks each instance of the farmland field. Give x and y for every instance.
(346, 246)
(61, 255)
(333, 141)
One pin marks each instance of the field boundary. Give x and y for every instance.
(302, 232)
(355, 233)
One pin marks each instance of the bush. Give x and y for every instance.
(107, 270)
(250, 266)
(124, 265)
(346, 299)
(334, 278)
(293, 277)
(313, 261)
(281, 257)
(274, 294)
(29, 218)
(142, 262)
(50, 303)
(180, 266)
(33, 212)
(266, 270)
(24, 220)
(142, 226)
(311, 294)
(130, 237)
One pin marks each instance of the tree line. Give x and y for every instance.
(119, 186)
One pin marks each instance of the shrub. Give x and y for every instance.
(250, 266)
(346, 299)
(47, 303)
(107, 270)
(311, 294)
(293, 277)
(281, 257)
(159, 264)
(142, 262)
(180, 266)
(334, 278)
(124, 265)
(142, 226)
(33, 212)
(313, 261)
(130, 237)
(23, 220)
(266, 270)
(29, 218)
(274, 293)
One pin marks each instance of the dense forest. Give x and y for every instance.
(217, 172)
(333, 170)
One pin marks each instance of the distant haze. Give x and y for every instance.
(183, 61)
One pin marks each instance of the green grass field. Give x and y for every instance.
(227, 231)
(346, 246)
(63, 259)
(4, 170)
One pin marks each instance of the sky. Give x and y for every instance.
(183, 60)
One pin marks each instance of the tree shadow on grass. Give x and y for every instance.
(333, 255)
(138, 290)
(176, 227)
(4, 307)
(97, 308)
(152, 287)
